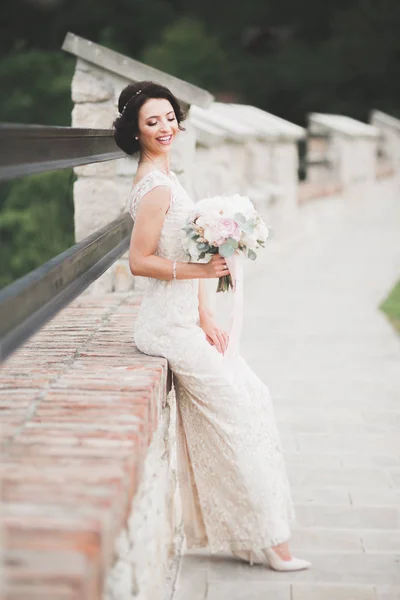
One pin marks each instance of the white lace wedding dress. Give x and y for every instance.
(231, 472)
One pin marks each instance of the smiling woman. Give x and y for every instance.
(225, 430)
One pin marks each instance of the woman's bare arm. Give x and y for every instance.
(144, 239)
(214, 334)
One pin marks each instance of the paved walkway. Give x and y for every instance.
(332, 362)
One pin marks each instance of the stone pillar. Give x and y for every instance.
(284, 174)
(389, 140)
(352, 150)
(259, 175)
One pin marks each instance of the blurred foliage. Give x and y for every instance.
(391, 306)
(36, 87)
(125, 25)
(36, 222)
(189, 52)
(285, 56)
(36, 214)
(365, 40)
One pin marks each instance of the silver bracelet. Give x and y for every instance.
(174, 269)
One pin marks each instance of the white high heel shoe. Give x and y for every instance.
(278, 564)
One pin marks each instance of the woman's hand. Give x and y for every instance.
(215, 335)
(216, 267)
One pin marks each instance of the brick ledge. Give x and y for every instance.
(79, 406)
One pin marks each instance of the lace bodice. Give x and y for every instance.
(166, 303)
(172, 241)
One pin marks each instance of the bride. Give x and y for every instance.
(231, 471)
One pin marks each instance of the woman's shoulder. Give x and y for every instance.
(151, 178)
(145, 184)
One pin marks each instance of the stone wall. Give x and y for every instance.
(219, 169)
(319, 161)
(151, 535)
(235, 155)
(266, 172)
(284, 174)
(355, 159)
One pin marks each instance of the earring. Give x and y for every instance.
(136, 137)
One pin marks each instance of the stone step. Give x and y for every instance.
(341, 575)
(351, 568)
(343, 517)
(345, 495)
(255, 590)
(323, 539)
(344, 476)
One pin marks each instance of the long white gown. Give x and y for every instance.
(231, 472)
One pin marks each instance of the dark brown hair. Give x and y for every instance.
(131, 99)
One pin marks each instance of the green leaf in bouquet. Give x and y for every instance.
(202, 255)
(232, 243)
(261, 243)
(251, 254)
(248, 227)
(239, 218)
(202, 246)
(226, 250)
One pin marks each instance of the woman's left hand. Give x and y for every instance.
(215, 335)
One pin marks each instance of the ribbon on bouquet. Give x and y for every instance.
(235, 266)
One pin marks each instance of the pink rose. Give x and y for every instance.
(228, 228)
(222, 229)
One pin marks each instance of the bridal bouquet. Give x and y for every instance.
(227, 225)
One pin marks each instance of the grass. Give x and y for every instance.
(391, 306)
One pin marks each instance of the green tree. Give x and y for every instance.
(36, 213)
(125, 25)
(188, 51)
(367, 51)
(36, 222)
(36, 87)
(291, 83)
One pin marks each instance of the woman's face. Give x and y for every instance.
(157, 125)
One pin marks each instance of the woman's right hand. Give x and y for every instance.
(217, 267)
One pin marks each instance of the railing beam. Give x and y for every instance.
(28, 149)
(28, 303)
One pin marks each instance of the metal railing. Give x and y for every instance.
(28, 303)
(28, 149)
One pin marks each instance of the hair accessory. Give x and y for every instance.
(124, 109)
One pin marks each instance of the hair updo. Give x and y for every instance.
(130, 101)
